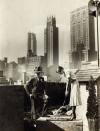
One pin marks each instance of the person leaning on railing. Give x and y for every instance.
(63, 79)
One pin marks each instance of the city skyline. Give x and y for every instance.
(19, 18)
(82, 30)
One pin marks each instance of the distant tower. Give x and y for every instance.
(51, 42)
(32, 45)
(82, 36)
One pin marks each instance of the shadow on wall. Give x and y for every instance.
(59, 126)
(47, 126)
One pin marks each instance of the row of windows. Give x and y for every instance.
(76, 21)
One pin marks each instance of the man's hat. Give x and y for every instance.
(59, 69)
(38, 69)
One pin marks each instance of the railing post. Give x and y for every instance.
(98, 100)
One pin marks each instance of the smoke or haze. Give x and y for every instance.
(18, 17)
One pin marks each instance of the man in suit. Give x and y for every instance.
(36, 90)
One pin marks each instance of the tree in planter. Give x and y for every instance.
(92, 104)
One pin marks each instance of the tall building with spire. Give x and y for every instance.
(51, 42)
(32, 45)
(82, 30)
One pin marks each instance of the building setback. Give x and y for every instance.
(32, 45)
(82, 30)
(51, 42)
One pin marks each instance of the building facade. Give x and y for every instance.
(82, 30)
(3, 65)
(3, 68)
(32, 45)
(21, 60)
(26, 67)
(11, 71)
(51, 42)
(31, 64)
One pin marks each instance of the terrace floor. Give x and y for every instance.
(62, 123)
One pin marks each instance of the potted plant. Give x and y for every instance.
(92, 105)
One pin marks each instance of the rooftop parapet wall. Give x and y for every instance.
(11, 108)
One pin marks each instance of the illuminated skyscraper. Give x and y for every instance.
(51, 42)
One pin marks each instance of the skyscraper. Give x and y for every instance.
(82, 36)
(32, 45)
(51, 42)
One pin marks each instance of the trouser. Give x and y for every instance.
(38, 107)
(45, 107)
(33, 112)
(38, 104)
